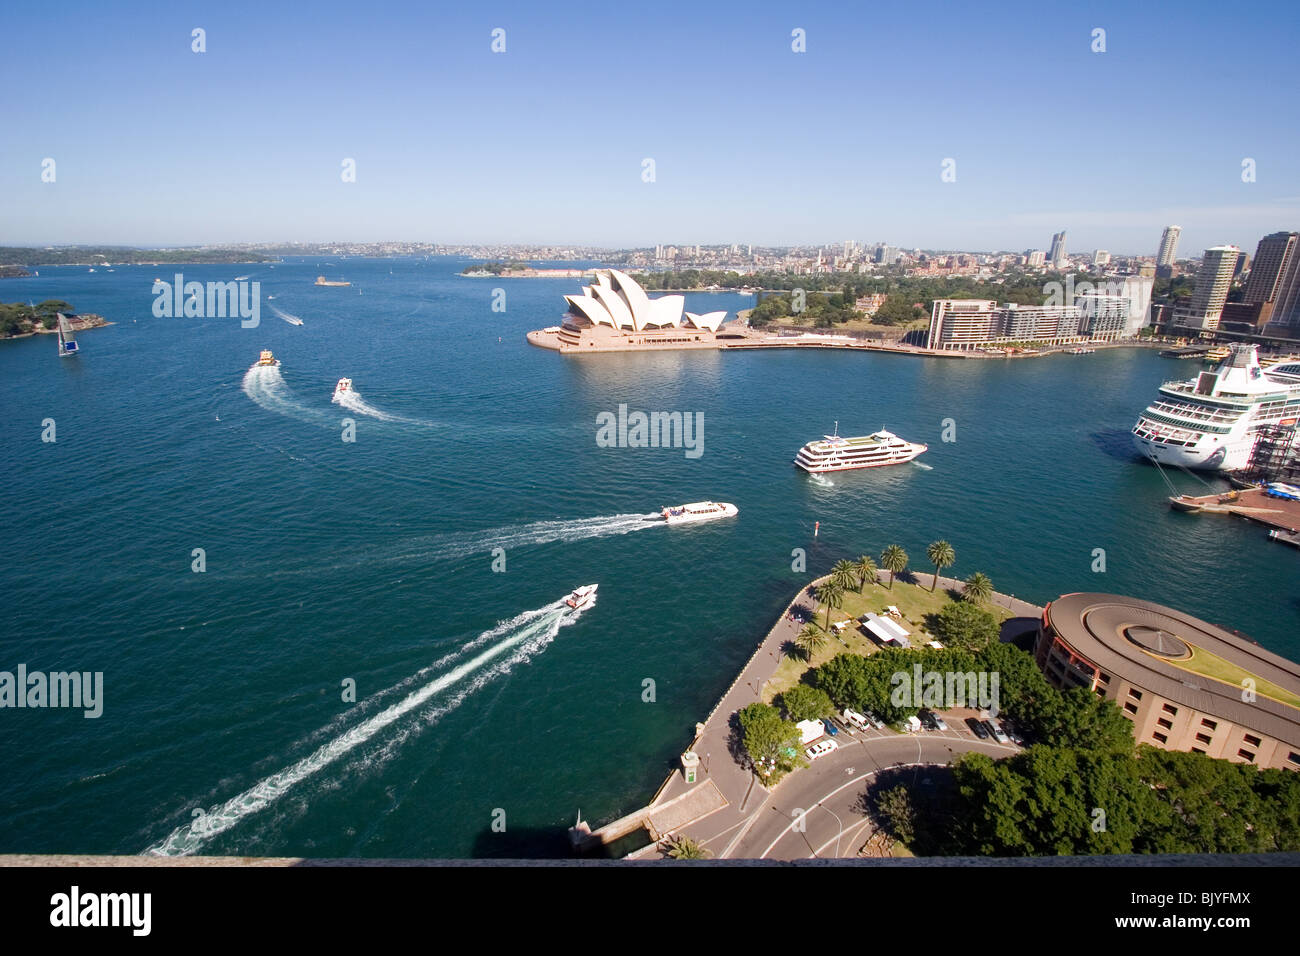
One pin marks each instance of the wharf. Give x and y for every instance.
(1253, 504)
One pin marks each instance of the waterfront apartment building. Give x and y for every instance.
(1213, 279)
(1168, 246)
(1233, 701)
(1274, 284)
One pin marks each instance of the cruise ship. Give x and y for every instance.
(1211, 422)
(837, 453)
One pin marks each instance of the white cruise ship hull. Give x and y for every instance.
(1205, 455)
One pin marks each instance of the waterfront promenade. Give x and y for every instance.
(723, 831)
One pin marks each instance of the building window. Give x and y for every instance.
(1131, 707)
(1252, 740)
(1203, 738)
(1293, 757)
(1103, 677)
(1169, 709)
(1165, 723)
(1246, 755)
(1197, 750)
(1212, 724)
(1160, 737)
(1135, 694)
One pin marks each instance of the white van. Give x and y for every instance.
(854, 719)
(810, 730)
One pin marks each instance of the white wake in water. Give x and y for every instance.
(287, 316)
(353, 402)
(526, 634)
(463, 543)
(922, 465)
(265, 386)
(822, 480)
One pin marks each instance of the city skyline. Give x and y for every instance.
(245, 141)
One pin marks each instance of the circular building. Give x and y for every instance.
(1184, 683)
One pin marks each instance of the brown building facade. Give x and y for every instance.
(1154, 662)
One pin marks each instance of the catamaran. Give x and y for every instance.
(837, 453)
(67, 344)
(1212, 421)
(699, 511)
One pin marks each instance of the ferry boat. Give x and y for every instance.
(1212, 421)
(344, 385)
(699, 511)
(321, 280)
(837, 453)
(1080, 350)
(581, 597)
(267, 360)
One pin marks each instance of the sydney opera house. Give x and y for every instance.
(615, 313)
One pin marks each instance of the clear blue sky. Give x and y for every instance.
(155, 144)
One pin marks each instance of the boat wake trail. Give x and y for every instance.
(822, 480)
(474, 665)
(461, 544)
(265, 386)
(923, 465)
(353, 402)
(287, 316)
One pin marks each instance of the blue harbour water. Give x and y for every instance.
(224, 728)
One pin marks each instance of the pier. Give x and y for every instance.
(1280, 514)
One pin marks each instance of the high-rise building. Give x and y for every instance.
(1213, 279)
(1037, 258)
(1168, 246)
(1101, 258)
(1274, 283)
(1057, 255)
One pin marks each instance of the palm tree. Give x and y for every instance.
(844, 574)
(810, 640)
(866, 569)
(894, 560)
(941, 555)
(832, 595)
(686, 848)
(978, 588)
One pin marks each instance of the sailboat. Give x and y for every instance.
(67, 344)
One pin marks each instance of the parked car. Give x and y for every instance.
(830, 727)
(992, 726)
(977, 728)
(821, 749)
(935, 722)
(875, 721)
(927, 720)
(1013, 734)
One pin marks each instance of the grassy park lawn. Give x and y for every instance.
(1211, 665)
(914, 601)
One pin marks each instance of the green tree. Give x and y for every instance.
(942, 556)
(961, 624)
(767, 738)
(844, 574)
(683, 847)
(830, 593)
(978, 588)
(866, 571)
(894, 560)
(802, 702)
(897, 813)
(811, 639)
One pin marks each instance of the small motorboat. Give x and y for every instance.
(581, 597)
(267, 360)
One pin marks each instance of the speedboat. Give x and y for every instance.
(699, 511)
(581, 597)
(344, 386)
(267, 360)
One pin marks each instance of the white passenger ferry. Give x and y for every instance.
(837, 453)
(1212, 421)
(699, 511)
